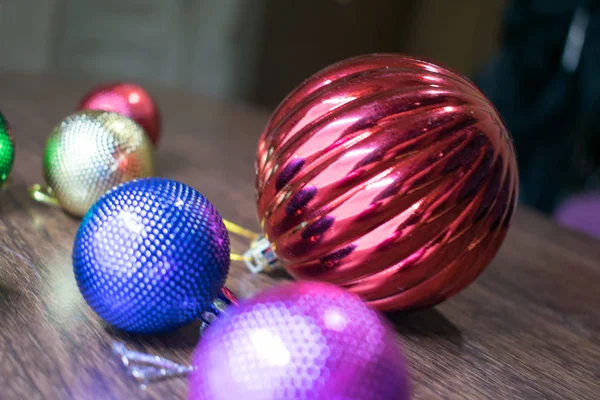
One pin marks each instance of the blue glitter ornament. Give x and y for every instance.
(151, 256)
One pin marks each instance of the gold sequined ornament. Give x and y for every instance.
(89, 153)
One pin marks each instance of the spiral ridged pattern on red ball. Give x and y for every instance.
(388, 175)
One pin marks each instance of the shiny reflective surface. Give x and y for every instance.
(302, 340)
(390, 176)
(151, 256)
(90, 152)
(128, 99)
(528, 327)
(7, 149)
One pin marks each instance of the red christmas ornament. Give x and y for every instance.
(388, 175)
(127, 99)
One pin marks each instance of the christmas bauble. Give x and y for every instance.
(89, 153)
(7, 149)
(388, 175)
(303, 340)
(151, 255)
(128, 99)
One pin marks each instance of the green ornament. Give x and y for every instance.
(7, 150)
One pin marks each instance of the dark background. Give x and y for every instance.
(537, 60)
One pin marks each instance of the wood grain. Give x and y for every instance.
(528, 328)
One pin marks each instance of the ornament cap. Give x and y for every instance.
(261, 257)
(219, 306)
(43, 194)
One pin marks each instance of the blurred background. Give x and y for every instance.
(537, 60)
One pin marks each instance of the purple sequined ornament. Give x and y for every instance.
(303, 340)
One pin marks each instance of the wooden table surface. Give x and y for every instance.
(529, 327)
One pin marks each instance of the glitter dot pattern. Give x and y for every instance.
(302, 340)
(128, 99)
(91, 152)
(7, 149)
(151, 255)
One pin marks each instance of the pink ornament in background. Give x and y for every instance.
(128, 99)
(303, 340)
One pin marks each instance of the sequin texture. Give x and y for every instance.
(90, 152)
(7, 150)
(151, 255)
(128, 99)
(302, 340)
